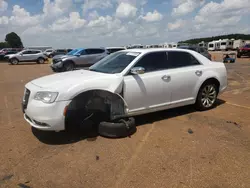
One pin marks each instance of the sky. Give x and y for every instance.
(102, 23)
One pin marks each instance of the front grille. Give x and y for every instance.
(26, 98)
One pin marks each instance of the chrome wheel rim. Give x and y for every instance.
(208, 96)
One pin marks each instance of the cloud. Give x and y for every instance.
(93, 15)
(72, 22)
(56, 8)
(20, 17)
(152, 16)
(96, 4)
(186, 6)
(178, 24)
(4, 20)
(226, 13)
(126, 10)
(3, 5)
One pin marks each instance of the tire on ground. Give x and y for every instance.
(119, 129)
(68, 66)
(14, 61)
(40, 60)
(198, 105)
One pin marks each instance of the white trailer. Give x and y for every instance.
(217, 45)
(238, 43)
(211, 46)
(226, 44)
(202, 44)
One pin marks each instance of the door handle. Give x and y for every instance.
(198, 72)
(166, 78)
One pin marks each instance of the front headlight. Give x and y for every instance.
(46, 96)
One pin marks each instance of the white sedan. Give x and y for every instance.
(124, 84)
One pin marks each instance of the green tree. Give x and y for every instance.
(14, 40)
(4, 45)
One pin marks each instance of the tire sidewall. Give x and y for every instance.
(67, 64)
(39, 59)
(199, 104)
(14, 59)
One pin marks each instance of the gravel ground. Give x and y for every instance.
(175, 148)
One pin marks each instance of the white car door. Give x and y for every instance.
(146, 91)
(24, 55)
(185, 73)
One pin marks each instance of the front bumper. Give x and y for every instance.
(48, 117)
(57, 66)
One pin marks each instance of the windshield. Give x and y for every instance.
(74, 52)
(114, 63)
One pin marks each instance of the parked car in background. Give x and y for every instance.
(124, 84)
(48, 52)
(114, 49)
(198, 49)
(59, 52)
(27, 56)
(7, 51)
(243, 51)
(78, 58)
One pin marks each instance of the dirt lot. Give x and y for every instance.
(214, 153)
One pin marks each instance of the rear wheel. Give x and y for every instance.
(207, 96)
(40, 60)
(14, 61)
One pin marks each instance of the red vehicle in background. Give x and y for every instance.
(7, 51)
(243, 51)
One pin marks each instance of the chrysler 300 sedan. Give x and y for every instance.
(122, 85)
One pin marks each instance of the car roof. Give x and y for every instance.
(147, 50)
(115, 47)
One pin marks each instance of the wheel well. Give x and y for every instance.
(14, 58)
(107, 105)
(40, 58)
(212, 80)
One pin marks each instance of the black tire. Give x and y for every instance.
(50, 56)
(203, 101)
(40, 60)
(68, 66)
(14, 61)
(119, 129)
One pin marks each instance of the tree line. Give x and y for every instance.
(209, 39)
(12, 40)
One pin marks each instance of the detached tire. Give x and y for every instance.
(120, 129)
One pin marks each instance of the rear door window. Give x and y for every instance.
(180, 59)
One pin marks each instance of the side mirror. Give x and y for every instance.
(21, 53)
(137, 70)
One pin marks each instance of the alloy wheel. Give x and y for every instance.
(208, 96)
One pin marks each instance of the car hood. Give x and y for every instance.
(10, 55)
(79, 80)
